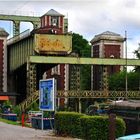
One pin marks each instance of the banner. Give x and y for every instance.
(53, 44)
(46, 94)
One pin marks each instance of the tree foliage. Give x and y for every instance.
(137, 53)
(118, 81)
(83, 49)
(80, 45)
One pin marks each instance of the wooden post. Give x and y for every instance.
(112, 126)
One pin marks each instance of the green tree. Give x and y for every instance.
(117, 81)
(137, 53)
(83, 49)
(80, 45)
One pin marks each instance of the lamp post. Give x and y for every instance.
(126, 81)
(138, 55)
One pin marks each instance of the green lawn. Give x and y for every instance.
(9, 122)
(13, 122)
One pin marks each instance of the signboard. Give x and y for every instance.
(53, 44)
(46, 94)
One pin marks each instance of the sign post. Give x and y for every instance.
(47, 90)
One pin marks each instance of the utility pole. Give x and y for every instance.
(126, 81)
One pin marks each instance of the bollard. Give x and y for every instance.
(22, 119)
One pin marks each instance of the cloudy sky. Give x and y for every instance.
(86, 17)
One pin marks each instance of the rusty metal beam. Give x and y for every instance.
(78, 60)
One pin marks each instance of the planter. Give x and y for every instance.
(48, 123)
(9, 116)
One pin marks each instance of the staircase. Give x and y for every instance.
(29, 101)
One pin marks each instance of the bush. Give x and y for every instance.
(86, 127)
(97, 127)
(68, 123)
(17, 111)
(120, 127)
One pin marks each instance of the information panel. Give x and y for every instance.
(46, 94)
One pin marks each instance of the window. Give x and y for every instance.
(56, 70)
(54, 21)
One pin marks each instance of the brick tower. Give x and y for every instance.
(3, 60)
(54, 22)
(105, 45)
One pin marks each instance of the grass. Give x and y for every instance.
(13, 122)
(9, 122)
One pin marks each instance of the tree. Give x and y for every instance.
(83, 49)
(137, 53)
(117, 81)
(80, 45)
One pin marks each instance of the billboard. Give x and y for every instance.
(53, 44)
(47, 94)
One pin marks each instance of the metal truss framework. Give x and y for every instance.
(33, 95)
(17, 19)
(31, 78)
(29, 101)
(82, 94)
(98, 94)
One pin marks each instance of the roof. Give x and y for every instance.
(52, 12)
(3, 32)
(4, 98)
(107, 35)
(130, 104)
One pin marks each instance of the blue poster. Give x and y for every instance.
(47, 91)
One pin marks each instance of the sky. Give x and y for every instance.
(86, 17)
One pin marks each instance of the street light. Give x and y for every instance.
(126, 82)
(138, 51)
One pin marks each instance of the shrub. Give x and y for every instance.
(97, 127)
(68, 123)
(86, 127)
(120, 127)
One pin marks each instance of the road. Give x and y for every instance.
(13, 132)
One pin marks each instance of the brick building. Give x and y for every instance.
(3, 63)
(105, 45)
(54, 23)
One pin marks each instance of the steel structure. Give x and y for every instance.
(82, 94)
(83, 61)
(31, 60)
(18, 19)
(24, 56)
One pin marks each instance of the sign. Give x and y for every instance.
(53, 44)
(46, 94)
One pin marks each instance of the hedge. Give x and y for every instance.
(68, 123)
(97, 127)
(86, 127)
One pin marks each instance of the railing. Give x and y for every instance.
(29, 101)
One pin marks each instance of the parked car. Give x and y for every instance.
(130, 137)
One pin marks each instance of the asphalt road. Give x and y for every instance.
(13, 132)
